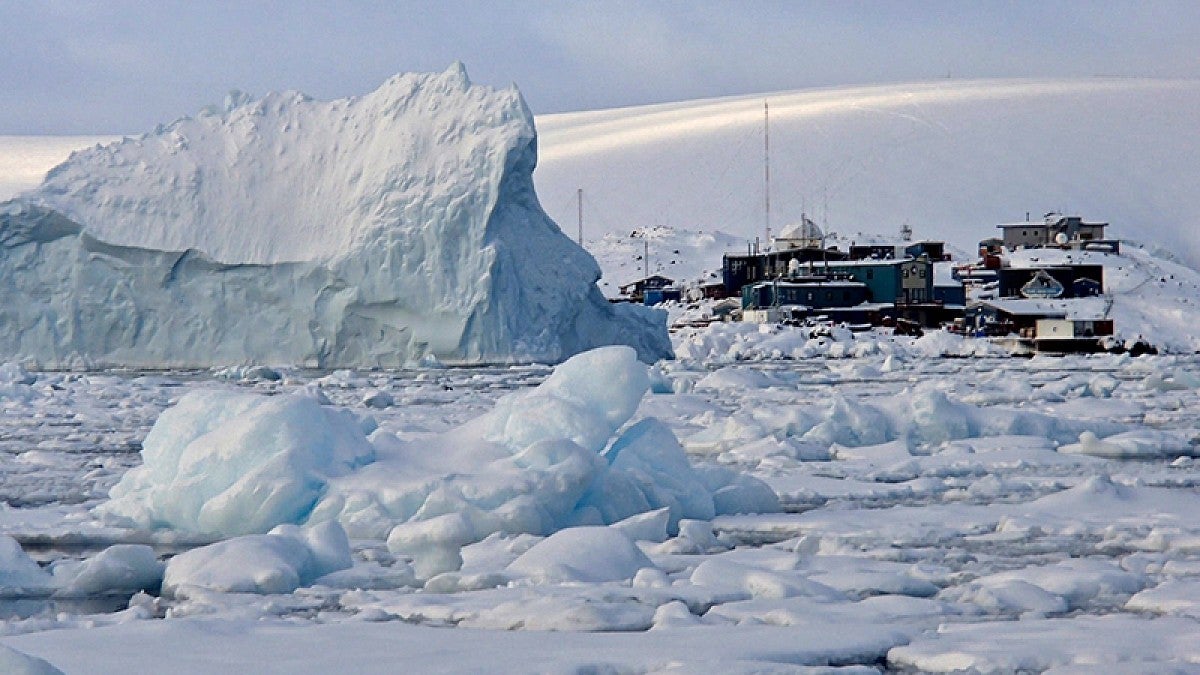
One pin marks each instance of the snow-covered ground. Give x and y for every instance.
(937, 514)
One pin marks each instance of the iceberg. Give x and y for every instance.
(397, 227)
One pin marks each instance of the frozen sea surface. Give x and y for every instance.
(940, 514)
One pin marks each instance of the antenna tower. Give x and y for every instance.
(579, 195)
(767, 171)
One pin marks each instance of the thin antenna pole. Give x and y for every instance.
(646, 256)
(579, 194)
(825, 207)
(767, 170)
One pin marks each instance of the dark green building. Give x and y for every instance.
(908, 281)
(811, 293)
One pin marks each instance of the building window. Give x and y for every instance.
(922, 272)
(870, 274)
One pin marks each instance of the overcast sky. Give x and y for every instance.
(75, 67)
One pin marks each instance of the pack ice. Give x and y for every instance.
(376, 230)
(560, 455)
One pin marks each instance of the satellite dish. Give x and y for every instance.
(1061, 239)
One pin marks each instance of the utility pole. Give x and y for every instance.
(579, 195)
(767, 171)
(646, 255)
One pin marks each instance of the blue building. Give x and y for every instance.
(813, 293)
(906, 281)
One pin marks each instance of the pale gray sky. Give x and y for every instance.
(122, 66)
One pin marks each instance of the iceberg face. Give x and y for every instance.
(369, 231)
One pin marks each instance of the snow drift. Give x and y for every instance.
(368, 231)
(559, 455)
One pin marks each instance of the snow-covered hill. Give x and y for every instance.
(952, 159)
(367, 231)
(683, 255)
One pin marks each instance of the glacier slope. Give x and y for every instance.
(376, 230)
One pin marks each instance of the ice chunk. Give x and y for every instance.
(378, 399)
(744, 582)
(383, 229)
(737, 378)
(735, 492)
(1180, 597)
(648, 526)
(1137, 444)
(1013, 596)
(434, 544)
(586, 399)
(674, 614)
(648, 459)
(278, 562)
(328, 543)
(13, 373)
(15, 382)
(116, 569)
(229, 463)
(247, 373)
(582, 554)
(19, 574)
(1080, 583)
